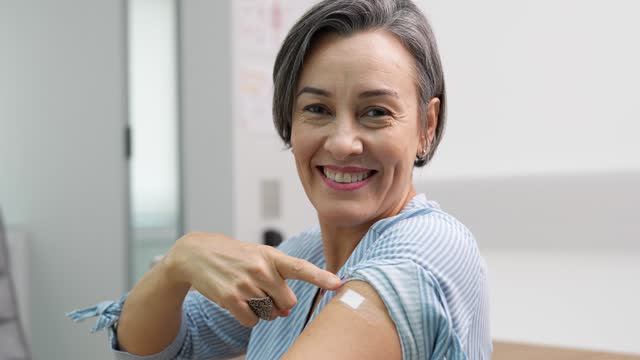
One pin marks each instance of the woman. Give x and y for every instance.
(360, 99)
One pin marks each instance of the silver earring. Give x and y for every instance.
(423, 156)
(425, 151)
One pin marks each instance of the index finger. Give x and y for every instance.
(291, 267)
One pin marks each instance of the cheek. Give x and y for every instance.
(296, 140)
(302, 147)
(398, 154)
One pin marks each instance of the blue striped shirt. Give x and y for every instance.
(423, 263)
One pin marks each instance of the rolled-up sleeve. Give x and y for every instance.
(169, 353)
(207, 331)
(416, 305)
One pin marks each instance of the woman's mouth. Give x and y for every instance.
(348, 178)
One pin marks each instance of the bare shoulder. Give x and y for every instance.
(355, 324)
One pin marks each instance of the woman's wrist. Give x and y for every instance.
(171, 273)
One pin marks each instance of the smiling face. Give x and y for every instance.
(355, 129)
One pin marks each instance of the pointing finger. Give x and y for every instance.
(291, 267)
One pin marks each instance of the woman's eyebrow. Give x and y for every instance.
(379, 92)
(364, 94)
(314, 91)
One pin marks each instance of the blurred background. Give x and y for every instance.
(124, 124)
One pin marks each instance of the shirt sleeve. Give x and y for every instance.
(207, 331)
(416, 305)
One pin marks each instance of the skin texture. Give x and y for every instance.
(357, 105)
(363, 333)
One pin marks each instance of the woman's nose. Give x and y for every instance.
(344, 140)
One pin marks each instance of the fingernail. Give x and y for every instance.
(334, 281)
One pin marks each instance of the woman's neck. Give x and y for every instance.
(339, 242)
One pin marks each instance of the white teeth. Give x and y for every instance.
(345, 178)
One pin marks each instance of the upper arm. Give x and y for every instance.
(344, 331)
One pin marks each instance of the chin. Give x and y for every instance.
(344, 215)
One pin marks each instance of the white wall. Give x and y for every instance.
(579, 299)
(62, 166)
(538, 87)
(205, 115)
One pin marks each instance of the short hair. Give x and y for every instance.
(346, 17)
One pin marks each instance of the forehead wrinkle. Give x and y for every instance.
(365, 64)
(362, 77)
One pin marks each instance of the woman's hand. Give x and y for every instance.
(229, 272)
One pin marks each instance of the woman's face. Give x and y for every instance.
(355, 130)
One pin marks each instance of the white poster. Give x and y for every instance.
(259, 27)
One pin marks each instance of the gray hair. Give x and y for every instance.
(346, 17)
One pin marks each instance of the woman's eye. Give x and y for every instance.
(377, 112)
(315, 109)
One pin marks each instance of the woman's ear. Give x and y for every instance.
(433, 111)
(429, 130)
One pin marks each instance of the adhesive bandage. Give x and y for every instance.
(352, 298)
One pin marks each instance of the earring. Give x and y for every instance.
(425, 152)
(423, 155)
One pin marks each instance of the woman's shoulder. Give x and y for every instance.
(429, 236)
(423, 221)
(438, 247)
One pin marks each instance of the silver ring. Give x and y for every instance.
(262, 307)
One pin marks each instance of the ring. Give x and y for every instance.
(262, 307)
